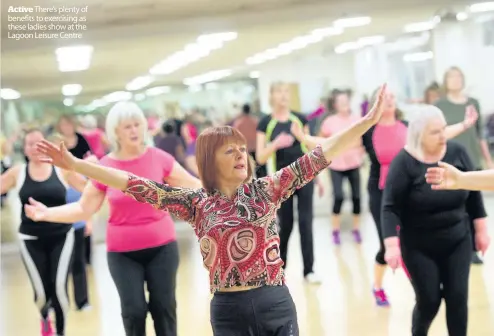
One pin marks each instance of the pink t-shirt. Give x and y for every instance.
(132, 225)
(94, 139)
(388, 141)
(352, 158)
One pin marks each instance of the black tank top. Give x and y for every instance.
(52, 193)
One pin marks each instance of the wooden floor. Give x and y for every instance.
(342, 305)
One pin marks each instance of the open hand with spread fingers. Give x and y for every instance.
(57, 156)
(444, 177)
(376, 111)
(35, 210)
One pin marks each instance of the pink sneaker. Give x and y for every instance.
(46, 328)
(380, 297)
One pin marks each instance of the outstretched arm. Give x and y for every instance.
(305, 169)
(161, 196)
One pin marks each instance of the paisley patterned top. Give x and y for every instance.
(238, 237)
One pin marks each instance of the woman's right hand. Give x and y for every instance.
(57, 156)
(36, 211)
(283, 140)
(444, 177)
(393, 256)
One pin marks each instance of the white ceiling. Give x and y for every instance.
(130, 36)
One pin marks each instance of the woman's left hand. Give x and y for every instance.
(376, 111)
(471, 116)
(482, 241)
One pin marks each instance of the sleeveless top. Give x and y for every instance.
(51, 192)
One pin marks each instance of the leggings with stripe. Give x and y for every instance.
(47, 261)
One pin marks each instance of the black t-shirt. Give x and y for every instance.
(375, 167)
(284, 156)
(82, 148)
(411, 204)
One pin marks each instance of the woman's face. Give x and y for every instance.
(280, 96)
(232, 163)
(30, 142)
(342, 103)
(66, 127)
(454, 81)
(130, 133)
(434, 136)
(389, 104)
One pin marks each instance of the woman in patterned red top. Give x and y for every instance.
(234, 217)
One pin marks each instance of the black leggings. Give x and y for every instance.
(79, 277)
(157, 267)
(375, 201)
(47, 261)
(264, 311)
(337, 177)
(305, 216)
(434, 261)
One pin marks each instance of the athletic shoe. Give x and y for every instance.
(381, 298)
(336, 237)
(356, 236)
(46, 328)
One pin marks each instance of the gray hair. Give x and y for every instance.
(421, 118)
(119, 112)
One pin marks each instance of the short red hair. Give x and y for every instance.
(207, 144)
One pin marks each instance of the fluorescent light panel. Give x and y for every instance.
(68, 101)
(417, 27)
(193, 52)
(75, 58)
(117, 96)
(352, 22)
(71, 89)
(482, 7)
(360, 43)
(207, 77)
(9, 94)
(254, 74)
(139, 83)
(158, 90)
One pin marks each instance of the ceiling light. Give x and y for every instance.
(139, 96)
(138, 83)
(75, 58)
(345, 47)
(192, 52)
(418, 57)
(482, 7)
(352, 22)
(117, 96)
(71, 89)
(461, 16)
(329, 31)
(370, 40)
(254, 74)
(158, 90)
(9, 94)
(68, 101)
(420, 26)
(208, 77)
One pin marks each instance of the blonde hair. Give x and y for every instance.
(119, 112)
(446, 75)
(417, 125)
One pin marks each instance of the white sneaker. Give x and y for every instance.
(312, 278)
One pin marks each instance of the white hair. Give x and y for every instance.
(122, 111)
(418, 123)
